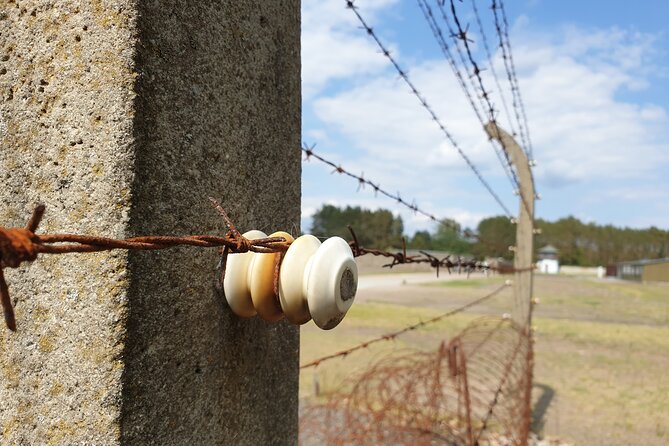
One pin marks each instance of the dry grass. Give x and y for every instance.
(602, 350)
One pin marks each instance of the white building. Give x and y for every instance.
(548, 260)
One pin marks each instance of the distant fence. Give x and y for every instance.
(476, 387)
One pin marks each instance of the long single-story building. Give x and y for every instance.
(646, 270)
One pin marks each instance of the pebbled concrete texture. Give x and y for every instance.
(123, 117)
(67, 140)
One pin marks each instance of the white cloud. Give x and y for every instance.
(578, 87)
(383, 118)
(580, 128)
(330, 50)
(638, 193)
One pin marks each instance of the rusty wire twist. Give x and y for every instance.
(19, 245)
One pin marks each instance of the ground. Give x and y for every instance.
(602, 350)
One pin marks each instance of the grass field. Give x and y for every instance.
(602, 351)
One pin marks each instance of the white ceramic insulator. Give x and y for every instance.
(261, 276)
(235, 283)
(293, 280)
(332, 281)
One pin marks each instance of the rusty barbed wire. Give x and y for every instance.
(362, 181)
(501, 26)
(491, 67)
(19, 245)
(404, 75)
(515, 78)
(395, 334)
(484, 97)
(467, 392)
(461, 264)
(460, 35)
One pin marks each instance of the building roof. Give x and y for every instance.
(548, 249)
(645, 261)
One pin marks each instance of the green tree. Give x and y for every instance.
(420, 240)
(578, 243)
(589, 244)
(378, 229)
(448, 237)
(495, 235)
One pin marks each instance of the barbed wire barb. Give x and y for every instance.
(19, 245)
(393, 335)
(427, 107)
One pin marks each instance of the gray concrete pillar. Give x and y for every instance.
(123, 116)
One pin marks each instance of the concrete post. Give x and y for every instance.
(522, 261)
(123, 117)
(524, 228)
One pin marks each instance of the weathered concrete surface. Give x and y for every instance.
(218, 112)
(66, 127)
(122, 117)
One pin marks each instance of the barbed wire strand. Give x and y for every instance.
(403, 74)
(509, 73)
(392, 335)
(491, 66)
(19, 245)
(515, 79)
(484, 97)
(460, 35)
(441, 42)
(362, 181)
(401, 258)
(446, 51)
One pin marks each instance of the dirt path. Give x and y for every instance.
(392, 281)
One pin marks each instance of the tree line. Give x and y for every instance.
(578, 243)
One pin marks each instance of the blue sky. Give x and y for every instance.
(594, 77)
